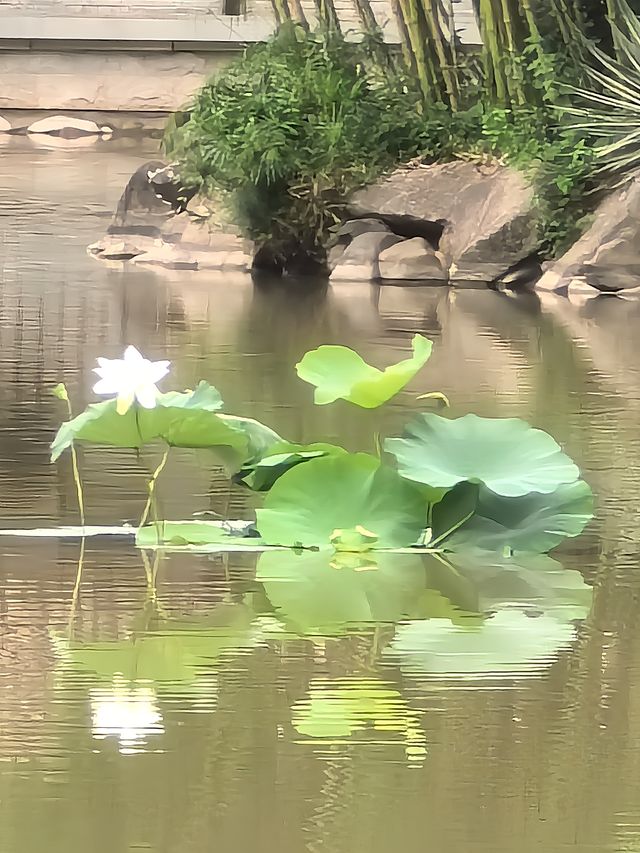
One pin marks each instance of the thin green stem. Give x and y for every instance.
(151, 488)
(75, 467)
(76, 588)
(452, 529)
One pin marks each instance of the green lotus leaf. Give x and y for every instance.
(317, 592)
(181, 419)
(533, 523)
(505, 454)
(511, 643)
(340, 373)
(199, 533)
(308, 503)
(263, 473)
(174, 654)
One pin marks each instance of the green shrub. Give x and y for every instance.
(291, 129)
(288, 131)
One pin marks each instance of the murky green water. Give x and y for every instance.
(218, 708)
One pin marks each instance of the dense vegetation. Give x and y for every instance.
(293, 127)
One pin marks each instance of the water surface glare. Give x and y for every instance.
(273, 703)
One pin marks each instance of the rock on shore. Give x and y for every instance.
(158, 222)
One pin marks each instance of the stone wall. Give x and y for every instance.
(104, 80)
(142, 55)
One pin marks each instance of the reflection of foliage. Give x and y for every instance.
(314, 594)
(511, 642)
(531, 603)
(475, 612)
(335, 710)
(175, 653)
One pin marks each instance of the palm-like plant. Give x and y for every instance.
(609, 113)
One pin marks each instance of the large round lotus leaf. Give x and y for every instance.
(533, 523)
(509, 644)
(340, 373)
(188, 419)
(505, 454)
(317, 592)
(311, 501)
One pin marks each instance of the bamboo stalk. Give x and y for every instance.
(438, 41)
(281, 11)
(298, 15)
(328, 16)
(405, 42)
(447, 11)
(367, 18)
(423, 63)
(370, 27)
(494, 70)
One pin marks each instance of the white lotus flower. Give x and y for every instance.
(125, 711)
(130, 378)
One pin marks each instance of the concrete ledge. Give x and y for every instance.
(205, 28)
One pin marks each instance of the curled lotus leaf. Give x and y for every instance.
(338, 372)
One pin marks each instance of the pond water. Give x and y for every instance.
(198, 703)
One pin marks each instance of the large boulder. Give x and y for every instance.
(607, 256)
(411, 260)
(488, 216)
(359, 261)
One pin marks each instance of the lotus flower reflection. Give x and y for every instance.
(130, 378)
(127, 712)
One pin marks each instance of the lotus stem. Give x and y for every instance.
(61, 393)
(436, 395)
(452, 529)
(151, 488)
(76, 588)
(78, 482)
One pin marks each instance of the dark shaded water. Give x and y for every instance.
(208, 710)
